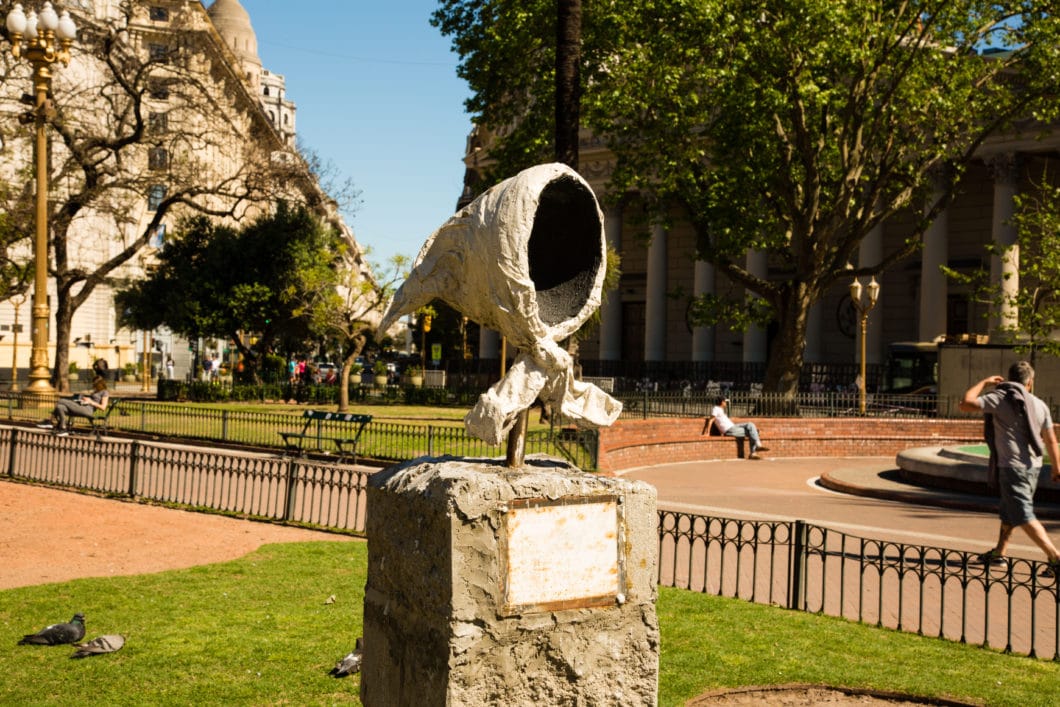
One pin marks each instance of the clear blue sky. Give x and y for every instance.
(377, 95)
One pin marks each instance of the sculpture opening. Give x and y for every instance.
(564, 249)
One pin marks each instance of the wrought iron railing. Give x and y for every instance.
(908, 587)
(930, 590)
(270, 487)
(383, 441)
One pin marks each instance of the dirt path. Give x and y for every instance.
(49, 535)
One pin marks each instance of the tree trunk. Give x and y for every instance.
(355, 345)
(344, 384)
(568, 80)
(64, 316)
(786, 356)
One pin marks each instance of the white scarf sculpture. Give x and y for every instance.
(527, 258)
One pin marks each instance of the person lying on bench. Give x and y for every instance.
(719, 420)
(78, 406)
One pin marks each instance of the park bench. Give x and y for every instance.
(313, 433)
(737, 435)
(99, 423)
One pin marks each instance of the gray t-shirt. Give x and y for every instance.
(1010, 437)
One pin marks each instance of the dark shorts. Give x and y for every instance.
(1017, 495)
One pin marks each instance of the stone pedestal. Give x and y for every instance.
(491, 586)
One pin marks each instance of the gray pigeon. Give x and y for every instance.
(57, 634)
(107, 643)
(351, 663)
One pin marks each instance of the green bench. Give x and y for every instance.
(314, 433)
(99, 423)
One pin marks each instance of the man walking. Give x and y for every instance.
(1022, 429)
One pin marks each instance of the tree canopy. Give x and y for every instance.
(217, 281)
(144, 129)
(790, 128)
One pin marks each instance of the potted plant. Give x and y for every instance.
(72, 370)
(380, 372)
(414, 376)
(129, 373)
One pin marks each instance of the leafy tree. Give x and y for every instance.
(788, 128)
(221, 282)
(345, 303)
(133, 128)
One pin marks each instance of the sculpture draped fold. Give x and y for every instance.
(527, 258)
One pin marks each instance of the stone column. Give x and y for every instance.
(655, 308)
(932, 282)
(1004, 268)
(703, 336)
(869, 254)
(754, 339)
(611, 309)
(489, 585)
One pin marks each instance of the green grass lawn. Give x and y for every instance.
(259, 631)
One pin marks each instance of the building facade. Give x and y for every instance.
(213, 123)
(644, 328)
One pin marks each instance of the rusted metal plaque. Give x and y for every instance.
(563, 554)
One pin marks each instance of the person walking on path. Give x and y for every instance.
(719, 420)
(1021, 428)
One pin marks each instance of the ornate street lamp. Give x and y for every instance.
(863, 308)
(42, 39)
(16, 302)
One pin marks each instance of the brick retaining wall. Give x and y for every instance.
(633, 443)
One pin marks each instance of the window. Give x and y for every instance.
(157, 123)
(155, 197)
(266, 91)
(158, 89)
(157, 158)
(158, 14)
(158, 52)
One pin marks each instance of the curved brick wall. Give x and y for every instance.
(633, 443)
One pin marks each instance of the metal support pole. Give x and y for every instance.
(861, 385)
(39, 374)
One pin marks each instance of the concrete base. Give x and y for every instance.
(491, 586)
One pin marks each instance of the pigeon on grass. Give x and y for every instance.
(107, 643)
(351, 663)
(57, 634)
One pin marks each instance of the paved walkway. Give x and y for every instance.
(912, 531)
(887, 484)
(797, 488)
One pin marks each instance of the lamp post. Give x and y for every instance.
(42, 40)
(16, 302)
(863, 308)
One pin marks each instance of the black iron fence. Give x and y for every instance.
(932, 591)
(697, 403)
(383, 441)
(270, 487)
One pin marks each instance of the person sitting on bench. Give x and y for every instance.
(78, 406)
(719, 420)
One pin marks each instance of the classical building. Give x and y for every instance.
(215, 121)
(644, 329)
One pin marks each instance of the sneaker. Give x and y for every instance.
(754, 456)
(991, 557)
(1051, 569)
(762, 448)
(62, 433)
(45, 426)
